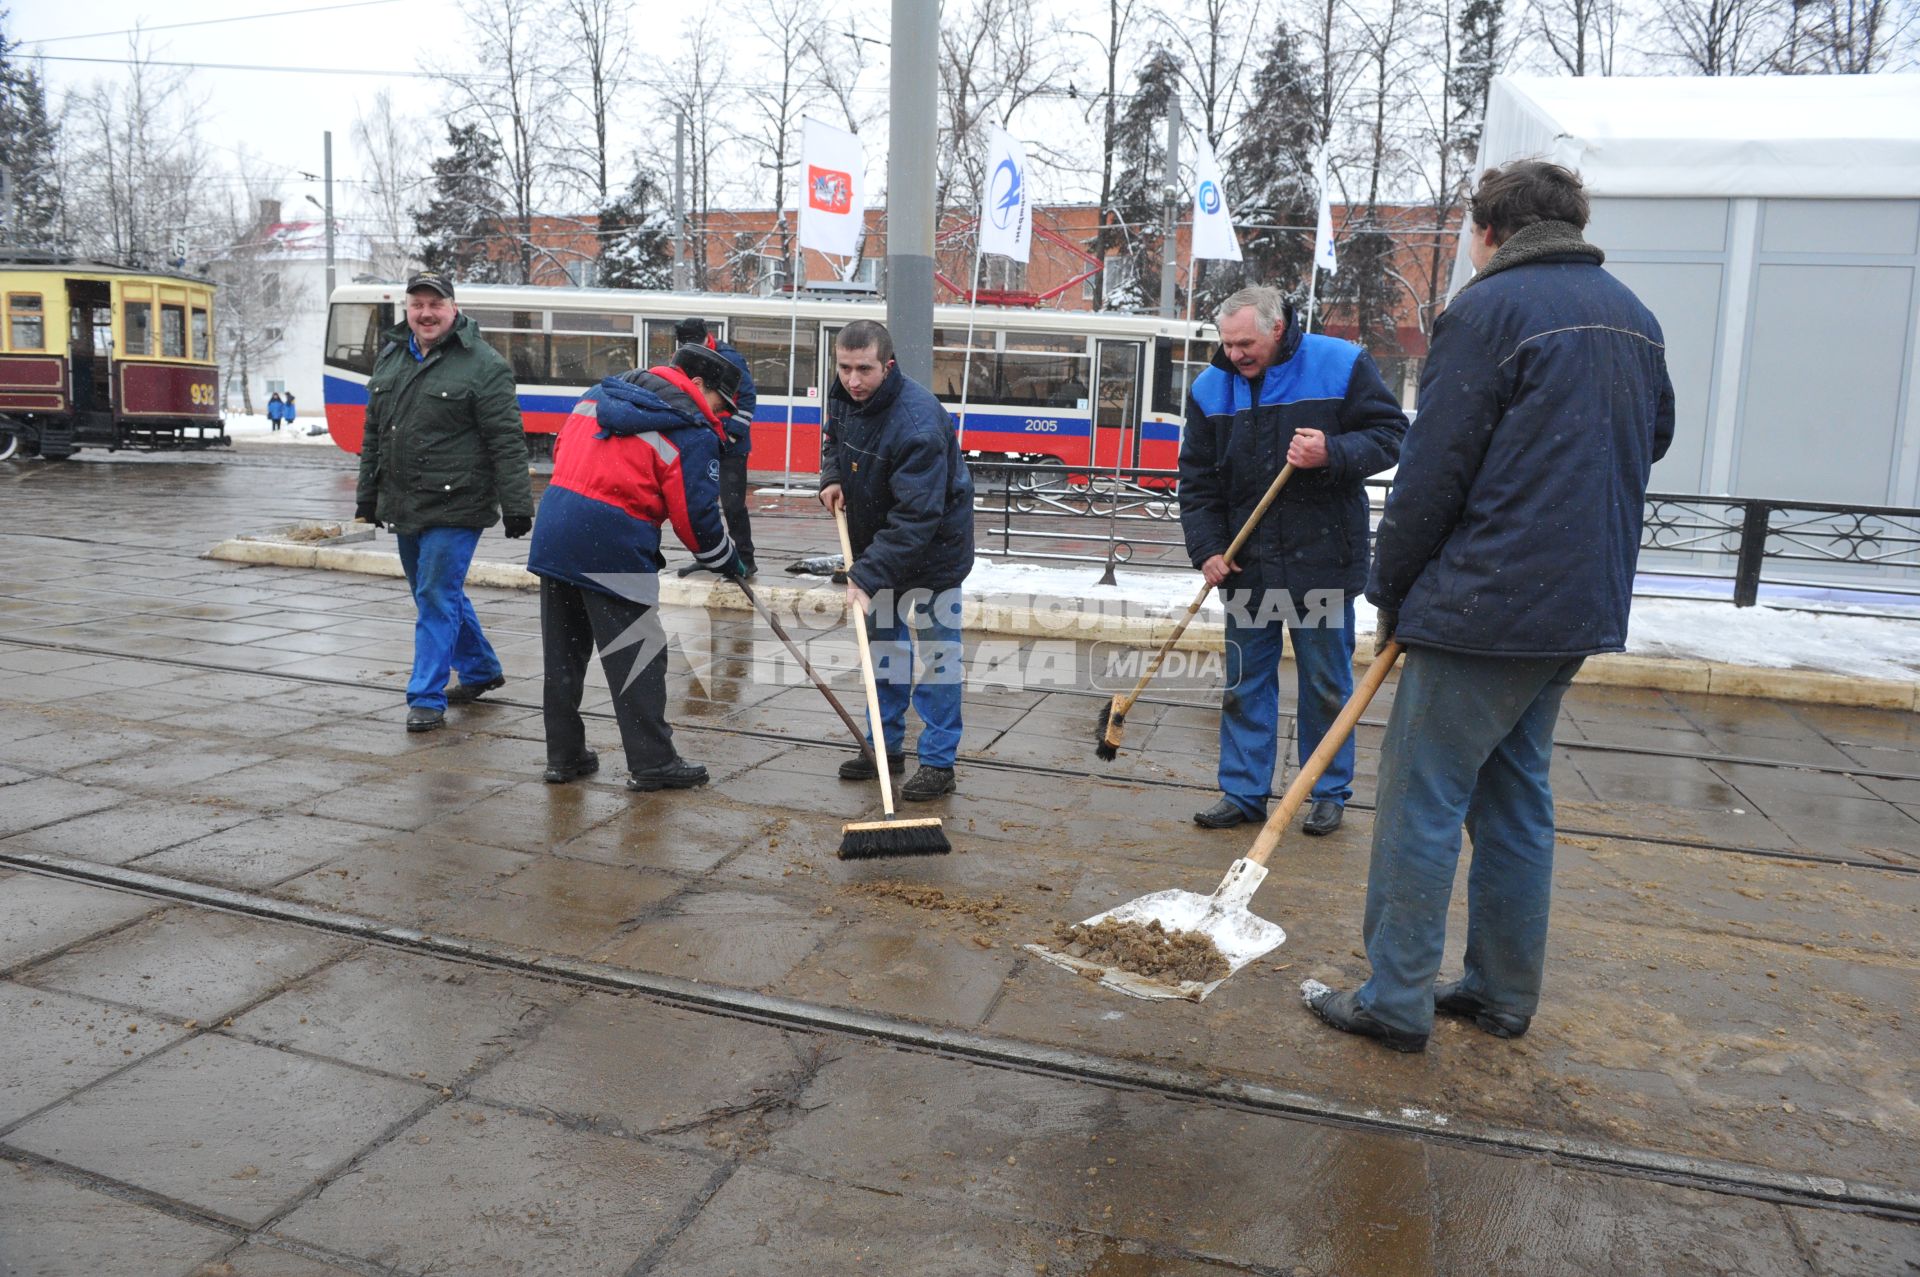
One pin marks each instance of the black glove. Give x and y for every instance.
(517, 525)
(364, 514)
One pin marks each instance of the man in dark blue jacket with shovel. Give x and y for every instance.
(1505, 558)
(891, 458)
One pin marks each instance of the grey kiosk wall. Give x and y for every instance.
(1773, 225)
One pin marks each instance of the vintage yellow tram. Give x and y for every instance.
(101, 356)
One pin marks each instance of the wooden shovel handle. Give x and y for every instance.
(874, 722)
(1316, 764)
(773, 623)
(1199, 600)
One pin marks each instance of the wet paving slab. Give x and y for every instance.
(1749, 1010)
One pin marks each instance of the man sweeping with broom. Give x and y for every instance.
(890, 467)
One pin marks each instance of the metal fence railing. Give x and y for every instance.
(1132, 517)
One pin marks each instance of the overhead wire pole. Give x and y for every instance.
(1169, 237)
(912, 140)
(680, 203)
(327, 172)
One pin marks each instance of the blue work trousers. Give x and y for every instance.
(1250, 707)
(446, 633)
(898, 624)
(1470, 741)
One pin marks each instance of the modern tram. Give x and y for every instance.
(1072, 387)
(95, 355)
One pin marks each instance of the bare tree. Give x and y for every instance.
(1579, 37)
(788, 32)
(1214, 44)
(138, 173)
(1719, 37)
(1110, 40)
(1849, 37)
(691, 94)
(391, 159)
(994, 59)
(256, 293)
(601, 41)
(509, 94)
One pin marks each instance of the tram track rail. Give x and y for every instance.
(1038, 770)
(1012, 1054)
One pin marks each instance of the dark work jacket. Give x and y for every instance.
(1514, 524)
(444, 444)
(909, 493)
(1315, 535)
(740, 425)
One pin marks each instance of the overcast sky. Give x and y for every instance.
(277, 117)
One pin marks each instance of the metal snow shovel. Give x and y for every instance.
(1223, 917)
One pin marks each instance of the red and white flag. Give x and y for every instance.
(833, 172)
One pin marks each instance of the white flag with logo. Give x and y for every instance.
(1323, 256)
(1006, 213)
(832, 189)
(1213, 235)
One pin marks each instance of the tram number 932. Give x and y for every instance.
(200, 394)
(1042, 426)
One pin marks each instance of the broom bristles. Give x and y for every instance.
(1113, 725)
(872, 839)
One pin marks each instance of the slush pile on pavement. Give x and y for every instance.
(1143, 948)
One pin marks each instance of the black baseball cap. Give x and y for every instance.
(691, 331)
(432, 280)
(714, 370)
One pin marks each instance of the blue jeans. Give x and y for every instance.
(446, 633)
(1250, 707)
(932, 622)
(1470, 740)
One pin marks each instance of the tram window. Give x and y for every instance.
(581, 359)
(581, 321)
(173, 332)
(660, 342)
(1025, 370)
(517, 335)
(763, 344)
(26, 322)
(139, 320)
(353, 335)
(201, 328)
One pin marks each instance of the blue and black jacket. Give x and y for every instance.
(740, 425)
(1514, 524)
(1315, 535)
(909, 492)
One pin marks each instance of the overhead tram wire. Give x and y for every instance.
(207, 22)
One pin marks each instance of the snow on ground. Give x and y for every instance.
(242, 426)
(1706, 629)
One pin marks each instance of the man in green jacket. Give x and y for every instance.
(444, 455)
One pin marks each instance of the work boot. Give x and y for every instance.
(1338, 1009)
(1224, 814)
(422, 719)
(678, 774)
(860, 767)
(927, 784)
(1324, 818)
(468, 693)
(560, 773)
(1502, 1024)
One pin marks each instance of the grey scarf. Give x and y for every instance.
(1532, 243)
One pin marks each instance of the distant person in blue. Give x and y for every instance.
(739, 440)
(1505, 558)
(290, 411)
(1273, 396)
(891, 458)
(276, 411)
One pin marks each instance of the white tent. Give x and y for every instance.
(1773, 225)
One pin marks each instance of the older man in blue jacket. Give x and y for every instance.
(1505, 558)
(891, 458)
(1272, 396)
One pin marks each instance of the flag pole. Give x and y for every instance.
(793, 361)
(973, 310)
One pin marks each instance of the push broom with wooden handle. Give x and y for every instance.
(1113, 716)
(891, 836)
